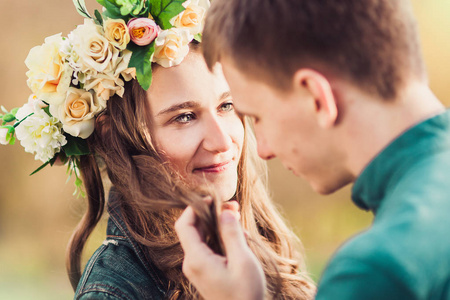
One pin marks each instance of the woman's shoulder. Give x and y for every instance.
(115, 272)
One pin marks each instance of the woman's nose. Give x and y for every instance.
(217, 137)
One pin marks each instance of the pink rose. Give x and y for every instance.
(143, 31)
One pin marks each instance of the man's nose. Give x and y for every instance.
(264, 150)
(217, 137)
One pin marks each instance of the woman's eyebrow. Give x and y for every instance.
(178, 106)
(225, 95)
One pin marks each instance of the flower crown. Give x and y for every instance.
(73, 78)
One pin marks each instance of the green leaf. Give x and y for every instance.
(81, 8)
(98, 17)
(9, 117)
(112, 10)
(47, 111)
(198, 37)
(101, 2)
(10, 138)
(62, 157)
(164, 10)
(11, 129)
(41, 167)
(75, 146)
(78, 182)
(50, 161)
(141, 60)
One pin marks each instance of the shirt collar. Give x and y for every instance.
(386, 169)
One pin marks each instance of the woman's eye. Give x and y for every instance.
(228, 106)
(185, 118)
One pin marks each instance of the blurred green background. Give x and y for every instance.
(38, 213)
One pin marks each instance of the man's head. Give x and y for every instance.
(296, 65)
(372, 43)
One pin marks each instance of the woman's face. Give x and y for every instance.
(195, 126)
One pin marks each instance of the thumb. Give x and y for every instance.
(232, 236)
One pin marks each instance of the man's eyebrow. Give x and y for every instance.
(175, 107)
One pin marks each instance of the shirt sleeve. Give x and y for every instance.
(351, 279)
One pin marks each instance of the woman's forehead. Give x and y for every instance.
(189, 81)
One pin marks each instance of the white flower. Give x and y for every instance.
(91, 51)
(34, 101)
(39, 133)
(78, 111)
(172, 46)
(48, 76)
(193, 17)
(3, 133)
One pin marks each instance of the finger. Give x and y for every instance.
(188, 234)
(232, 206)
(233, 236)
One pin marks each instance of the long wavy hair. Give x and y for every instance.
(152, 197)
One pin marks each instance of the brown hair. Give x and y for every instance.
(151, 199)
(372, 43)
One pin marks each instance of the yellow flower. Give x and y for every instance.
(116, 31)
(48, 76)
(172, 46)
(193, 17)
(77, 112)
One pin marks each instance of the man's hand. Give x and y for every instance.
(239, 275)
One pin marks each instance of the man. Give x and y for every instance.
(338, 91)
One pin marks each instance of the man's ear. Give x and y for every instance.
(319, 89)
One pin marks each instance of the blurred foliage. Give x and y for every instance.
(38, 213)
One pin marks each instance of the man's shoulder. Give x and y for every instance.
(114, 271)
(392, 256)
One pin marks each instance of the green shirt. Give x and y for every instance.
(405, 254)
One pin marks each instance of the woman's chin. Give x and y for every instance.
(223, 191)
(223, 184)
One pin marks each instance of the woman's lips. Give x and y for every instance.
(215, 168)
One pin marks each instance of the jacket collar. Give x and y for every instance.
(386, 169)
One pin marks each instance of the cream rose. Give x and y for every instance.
(116, 31)
(143, 31)
(48, 76)
(77, 112)
(107, 84)
(91, 50)
(172, 46)
(193, 17)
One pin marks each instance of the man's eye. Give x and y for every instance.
(185, 118)
(228, 106)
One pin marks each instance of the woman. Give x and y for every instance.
(128, 92)
(184, 128)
